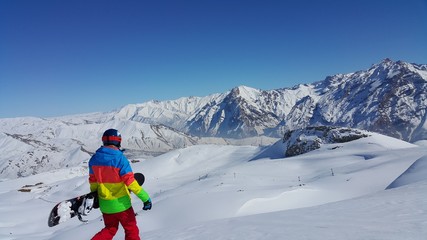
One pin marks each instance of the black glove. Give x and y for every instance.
(147, 205)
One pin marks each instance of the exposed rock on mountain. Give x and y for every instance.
(311, 138)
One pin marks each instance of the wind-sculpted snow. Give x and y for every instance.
(415, 173)
(215, 192)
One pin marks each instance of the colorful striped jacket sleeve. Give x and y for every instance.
(111, 175)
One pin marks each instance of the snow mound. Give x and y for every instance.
(415, 173)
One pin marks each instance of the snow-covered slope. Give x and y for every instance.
(222, 192)
(35, 145)
(173, 113)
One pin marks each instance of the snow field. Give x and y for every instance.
(230, 192)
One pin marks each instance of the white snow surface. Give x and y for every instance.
(371, 188)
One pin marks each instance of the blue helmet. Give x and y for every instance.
(112, 137)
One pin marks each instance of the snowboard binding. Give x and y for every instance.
(86, 206)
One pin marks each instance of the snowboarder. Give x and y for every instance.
(110, 174)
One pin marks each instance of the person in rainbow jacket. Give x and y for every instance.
(110, 174)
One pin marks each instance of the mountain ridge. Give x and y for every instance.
(389, 97)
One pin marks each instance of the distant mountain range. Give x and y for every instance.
(388, 98)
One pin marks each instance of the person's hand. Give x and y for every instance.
(147, 205)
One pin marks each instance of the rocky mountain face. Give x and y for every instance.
(243, 112)
(389, 98)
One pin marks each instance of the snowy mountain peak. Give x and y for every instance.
(245, 92)
(390, 69)
(387, 61)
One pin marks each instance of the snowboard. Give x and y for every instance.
(79, 206)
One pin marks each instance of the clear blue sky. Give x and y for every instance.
(66, 57)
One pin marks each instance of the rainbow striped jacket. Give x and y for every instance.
(111, 175)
